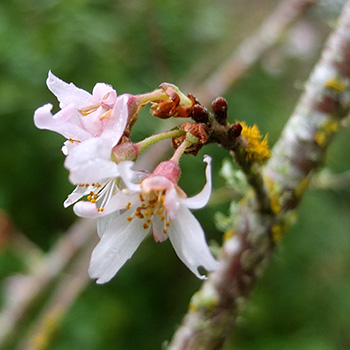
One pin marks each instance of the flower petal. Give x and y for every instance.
(117, 202)
(78, 193)
(202, 198)
(158, 227)
(60, 122)
(117, 245)
(188, 240)
(104, 94)
(104, 222)
(90, 162)
(171, 202)
(68, 93)
(114, 126)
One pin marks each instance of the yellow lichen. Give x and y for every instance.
(274, 194)
(228, 234)
(257, 148)
(301, 187)
(335, 85)
(325, 131)
(276, 232)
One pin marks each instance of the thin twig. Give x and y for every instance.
(67, 291)
(252, 49)
(36, 284)
(299, 152)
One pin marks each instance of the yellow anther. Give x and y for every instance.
(93, 201)
(149, 221)
(89, 197)
(165, 231)
(167, 224)
(87, 185)
(98, 186)
(105, 115)
(146, 212)
(160, 211)
(95, 196)
(145, 226)
(162, 197)
(100, 209)
(129, 218)
(162, 218)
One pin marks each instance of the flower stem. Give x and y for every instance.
(180, 151)
(149, 141)
(152, 96)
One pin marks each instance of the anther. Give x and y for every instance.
(145, 226)
(129, 218)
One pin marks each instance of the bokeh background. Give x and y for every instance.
(303, 301)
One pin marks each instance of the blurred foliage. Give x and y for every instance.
(302, 302)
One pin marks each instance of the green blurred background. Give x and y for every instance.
(303, 300)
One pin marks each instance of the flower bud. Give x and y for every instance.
(220, 107)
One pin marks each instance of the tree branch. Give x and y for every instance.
(251, 49)
(36, 284)
(300, 151)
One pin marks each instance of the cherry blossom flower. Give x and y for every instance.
(156, 203)
(93, 125)
(99, 176)
(84, 115)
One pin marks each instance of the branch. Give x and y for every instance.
(300, 151)
(252, 48)
(37, 284)
(72, 283)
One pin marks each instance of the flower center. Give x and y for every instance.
(151, 204)
(101, 193)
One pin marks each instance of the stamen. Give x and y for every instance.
(165, 231)
(145, 226)
(167, 224)
(149, 221)
(160, 211)
(162, 218)
(129, 218)
(88, 111)
(105, 115)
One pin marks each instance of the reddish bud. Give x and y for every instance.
(220, 107)
(235, 130)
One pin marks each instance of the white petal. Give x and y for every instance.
(158, 227)
(90, 162)
(105, 94)
(117, 245)
(61, 122)
(129, 176)
(104, 221)
(171, 202)
(86, 209)
(117, 202)
(78, 193)
(68, 93)
(114, 126)
(202, 198)
(188, 240)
